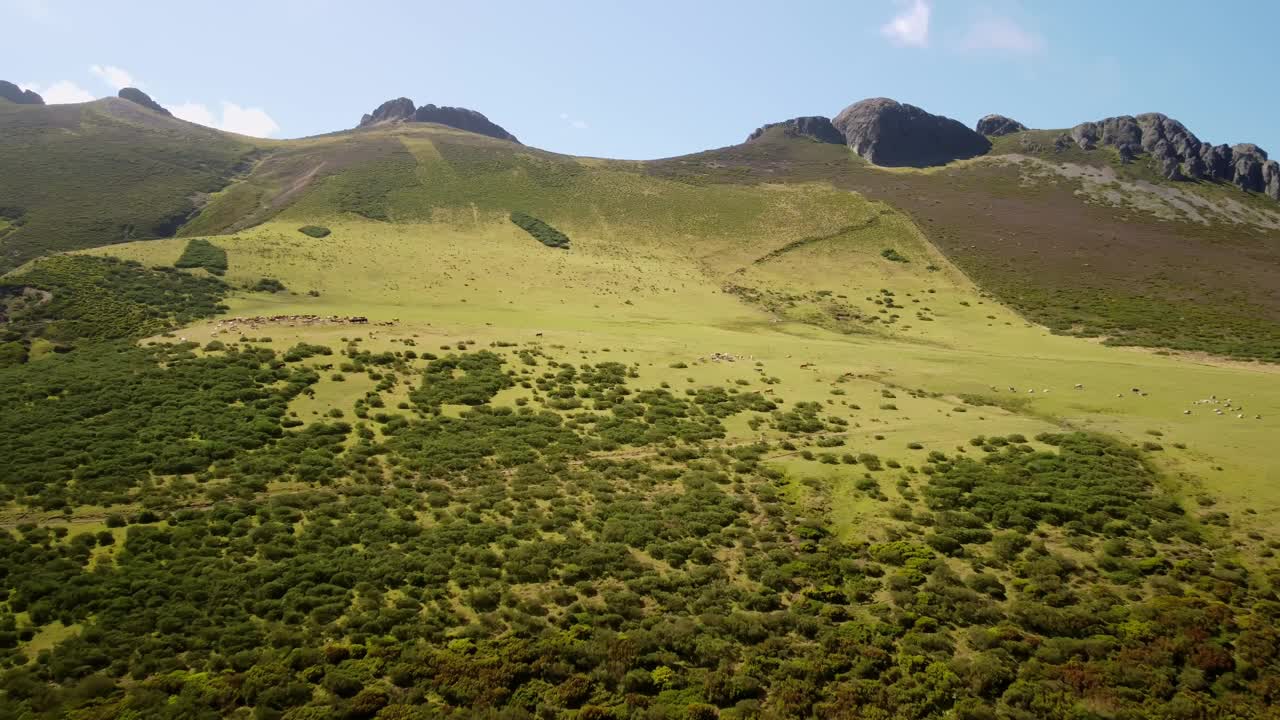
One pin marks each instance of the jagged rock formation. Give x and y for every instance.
(402, 110)
(398, 110)
(1179, 154)
(13, 93)
(886, 132)
(814, 127)
(463, 119)
(135, 95)
(997, 125)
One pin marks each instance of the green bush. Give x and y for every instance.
(270, 285)
(541, 231)
(315, 231)
(203, 254)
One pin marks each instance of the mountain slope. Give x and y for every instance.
(1076, 240)
(77, 176)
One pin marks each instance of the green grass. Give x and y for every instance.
(488, 283)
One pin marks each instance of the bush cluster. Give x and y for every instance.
(541, 231)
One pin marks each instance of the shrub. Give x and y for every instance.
(893, 255)
(315, 231)
(270, 285)
(203, 254)
(541, 231)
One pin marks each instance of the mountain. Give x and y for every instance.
(15, 94)
(402, 110)
(77, 176)
(413, 421)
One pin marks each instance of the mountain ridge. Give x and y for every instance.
(402, 110)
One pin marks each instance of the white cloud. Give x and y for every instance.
(60, 93)
(247, 121)
(579, 124)
(910, 28)
(1002, 35)
(114, 77)
(564, 116)
(194, 112)
(254, 122)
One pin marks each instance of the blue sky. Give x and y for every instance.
(655, 78)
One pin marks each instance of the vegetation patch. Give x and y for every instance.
(270, 285)
(201, 253)
(72, 298)
(541, 231)
(315, 231)
(893, 255)
(471, 379)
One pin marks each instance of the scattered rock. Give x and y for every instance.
(814, 127)
(135, 95)
(893, 134)
(13, 93)
(997, 125)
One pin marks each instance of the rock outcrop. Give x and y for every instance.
(463, 119)
(1179, 154)
(135, 95)
(398, 110)
(13, 93)
(402, 110)
(890, 133)
(814, 127)
(997, 125)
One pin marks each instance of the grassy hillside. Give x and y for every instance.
(79, 176)
(1071, 242)
(754, 445)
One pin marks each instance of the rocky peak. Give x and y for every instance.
(401, 110)
(398, 110)
(135, 95)
(814, 127)
(890, 133)
(463, 119)
(997, 125)
(1179, 154)
(13, 93)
